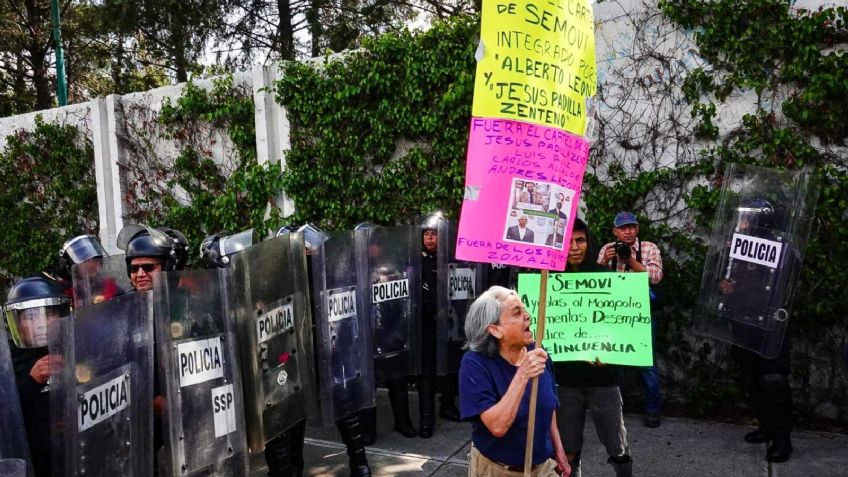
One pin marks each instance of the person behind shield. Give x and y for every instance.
(591, 385)
(31, 305)
(426, 383)
(494, 391)
(85, 251)
(766, 379)
(148, 251)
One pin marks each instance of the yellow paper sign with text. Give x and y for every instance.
(538, 62)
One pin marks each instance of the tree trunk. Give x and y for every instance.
(285, 33)
(313, 17)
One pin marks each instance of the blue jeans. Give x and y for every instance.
(651, 380)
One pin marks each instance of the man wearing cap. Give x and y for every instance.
(629, 254)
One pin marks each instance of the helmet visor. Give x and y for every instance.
(28, 326)
(236, 243)
(83, 248)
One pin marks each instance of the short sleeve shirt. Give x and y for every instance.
(483, 381)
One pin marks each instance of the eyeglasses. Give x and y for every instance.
(147, 267)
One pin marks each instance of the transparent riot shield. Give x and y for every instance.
(459, 283)
(196, 345)
(102, 389)
(270, 293)
(754, 257)
(99, 279)
(13, 441)
(342, 342)
(389, 270)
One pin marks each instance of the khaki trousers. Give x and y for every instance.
(481, 466)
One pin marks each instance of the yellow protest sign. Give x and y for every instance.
(538, 62)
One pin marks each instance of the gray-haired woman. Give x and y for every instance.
(494, 393)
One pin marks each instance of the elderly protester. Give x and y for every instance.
(494, 394)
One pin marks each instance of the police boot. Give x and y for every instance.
(623, 465)
(368, 425)
(399, 399)
(426, 407)
(779, 449)
(758, 436)
(278, 456)
(447, 409)
(352, 437)
(298, 434)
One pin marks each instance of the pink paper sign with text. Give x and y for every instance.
(522, 186)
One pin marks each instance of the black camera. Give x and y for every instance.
(622, 250)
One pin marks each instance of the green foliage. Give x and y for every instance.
(348, 115)
(765, 46)
(195, 194)
(49, 195)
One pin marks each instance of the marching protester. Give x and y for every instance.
(494, 394)
(32, 304)
(591, 385)
(630, 254)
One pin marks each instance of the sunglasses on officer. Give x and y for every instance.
(147, 267)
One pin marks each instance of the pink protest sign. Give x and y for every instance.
(522, 186)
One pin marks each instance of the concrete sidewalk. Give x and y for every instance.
(680, 447)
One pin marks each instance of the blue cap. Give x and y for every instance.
(625, 218)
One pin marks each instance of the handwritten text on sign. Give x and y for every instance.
(594, 315)
(538, 62)
(523, 184)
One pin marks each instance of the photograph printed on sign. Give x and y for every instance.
(537, 213)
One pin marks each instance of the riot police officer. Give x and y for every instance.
(747, 290)
(31, 305)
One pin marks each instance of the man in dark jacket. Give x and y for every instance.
(590, 384)
(31, 305)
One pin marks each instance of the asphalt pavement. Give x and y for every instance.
(680, 447)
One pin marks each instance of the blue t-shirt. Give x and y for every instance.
(483, 382)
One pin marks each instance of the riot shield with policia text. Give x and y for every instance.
(389, 261)
(270, 299)
(196, 345)
(102, 391)
(754, 257)
(459, 283)
(342, 337)
(13, 440)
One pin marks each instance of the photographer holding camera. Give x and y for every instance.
(629, 254)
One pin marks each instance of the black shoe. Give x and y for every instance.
(449, 411)
(425, 432)
(779, 450)
(652, 419)
(757, 437)
(361, 470)
(406, 429)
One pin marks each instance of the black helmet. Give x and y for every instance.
(215, 250)
(755, 214)
(166, 244)
(79, 249)
(31, 304)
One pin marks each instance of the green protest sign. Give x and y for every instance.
(594, 315)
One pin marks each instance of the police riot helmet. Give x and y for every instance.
(31, 304)
(753, 214)
(216, 249)
(79, 249)
(166, 244)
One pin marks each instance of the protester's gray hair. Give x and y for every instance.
(486, 310)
